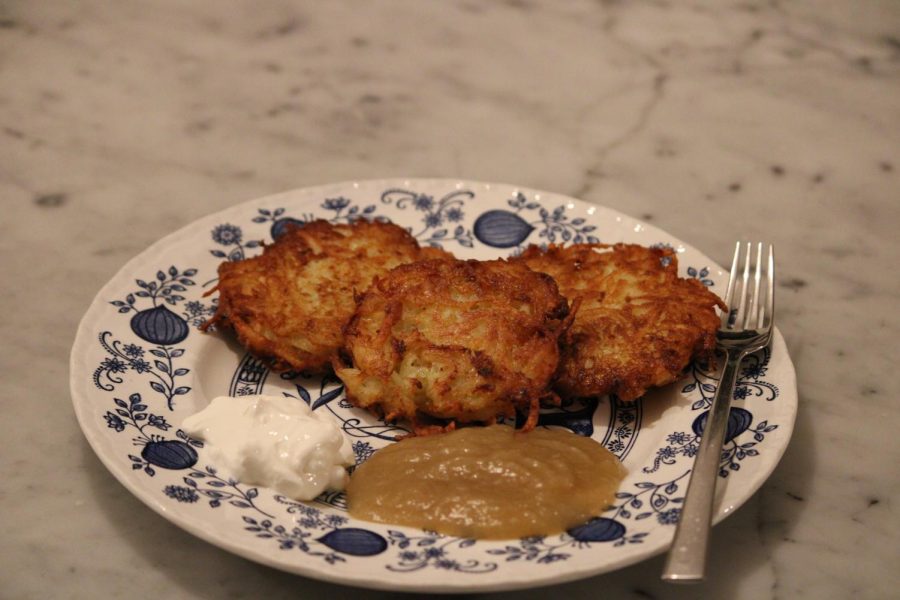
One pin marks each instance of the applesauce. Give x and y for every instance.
(487, 482)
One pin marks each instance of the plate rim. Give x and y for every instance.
(787, 385)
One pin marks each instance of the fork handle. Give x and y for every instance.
(686, 562)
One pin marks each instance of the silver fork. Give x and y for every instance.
(745, 328)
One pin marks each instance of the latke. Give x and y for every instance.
(460, 341)
(288, 305)
(638, 323)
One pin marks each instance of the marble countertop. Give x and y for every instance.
(121, 122)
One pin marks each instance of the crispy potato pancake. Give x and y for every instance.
(638, 324)
(289, 304)
(464, 341)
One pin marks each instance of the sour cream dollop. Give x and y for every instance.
(273, 441)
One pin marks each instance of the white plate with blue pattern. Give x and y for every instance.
(140, 365)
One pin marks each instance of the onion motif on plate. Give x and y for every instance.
(345, 211)
(501, 229)
(734, 449)
(739, 420)
(159, 325)
(281, 225)
(157, 451)
(600, 529)
(509, 229)
(354, 541)
(169, 454)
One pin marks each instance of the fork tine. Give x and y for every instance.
(769, 315)
(754, 315)
(746, 290)
(741, 315)
(729, 291)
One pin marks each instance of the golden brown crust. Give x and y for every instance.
(289, 304)
(465, 341)
(638, 324)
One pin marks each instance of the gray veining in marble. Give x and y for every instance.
(120, 122)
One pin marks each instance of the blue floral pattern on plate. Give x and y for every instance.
(140, 366)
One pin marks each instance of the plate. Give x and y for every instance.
(140, 365)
